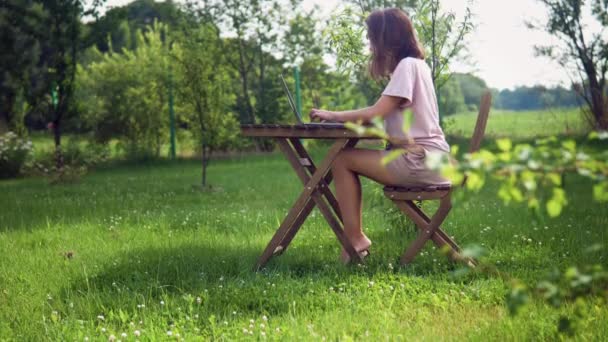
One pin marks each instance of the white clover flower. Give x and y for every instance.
(199, 300)
(264, 318)
(137, 333)
(101, 318)
(162, 302)
(169, 333)
(123, 335)
(112, 338)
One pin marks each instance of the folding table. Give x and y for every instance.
(316, 180)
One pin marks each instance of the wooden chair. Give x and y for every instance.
(429, 227)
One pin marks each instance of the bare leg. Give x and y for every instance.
(346, 170)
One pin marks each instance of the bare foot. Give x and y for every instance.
(361, 245)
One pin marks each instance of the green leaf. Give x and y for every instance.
(516, 194)
(355, 127)
(560, 195)
(569, 145)
(452, 174)
(504, 193)
(408, 118)
(504, 144)
(554, 208)
(555, 178)
(454, 150)
(600, 192)
(474, 181)
(392, 155)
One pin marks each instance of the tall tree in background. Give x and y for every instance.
(124, 95)
(60, 52)
(118, 26)
(205, 91)
(303, 47)
(442, 36)
(22, 72)
(252, 29)
(580, 51)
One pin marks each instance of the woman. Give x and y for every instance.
(396, 53)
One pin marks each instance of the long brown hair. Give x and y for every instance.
(392, 38)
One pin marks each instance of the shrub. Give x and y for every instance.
(13, 153)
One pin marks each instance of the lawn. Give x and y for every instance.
(137, 250)
(522, 124)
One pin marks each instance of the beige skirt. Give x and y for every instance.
(409, 169)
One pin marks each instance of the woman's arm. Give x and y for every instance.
(385, 105)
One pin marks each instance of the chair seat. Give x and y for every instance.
(429, 192)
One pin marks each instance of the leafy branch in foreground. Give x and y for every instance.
(532, 173)
(527, 173)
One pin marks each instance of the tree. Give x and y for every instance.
(205, 91)
(118, 26)
(124, 95)
(255, 26)
(472, 88)
(21, 70)
(451, 100)
(583, 53)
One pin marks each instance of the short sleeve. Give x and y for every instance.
(402, 80)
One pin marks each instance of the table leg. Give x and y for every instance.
(292, 154)
(302, 206)
(326, 191)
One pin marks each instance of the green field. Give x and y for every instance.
(525, 124)
(132, 248)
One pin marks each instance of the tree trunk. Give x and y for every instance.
(6, 110)
(244, 82)
(57, 138)
(599, 108)
(3, 125)
(205, 163)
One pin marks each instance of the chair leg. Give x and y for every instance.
(444, 236)
(427, 229)
(439, 237)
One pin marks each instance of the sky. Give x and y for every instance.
(501, 47)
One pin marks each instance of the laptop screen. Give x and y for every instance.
(291, 102)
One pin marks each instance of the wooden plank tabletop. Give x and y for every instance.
(300, 131)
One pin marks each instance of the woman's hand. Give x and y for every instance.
(323, 115)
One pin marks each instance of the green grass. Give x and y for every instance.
(525, 124)
(133, 247)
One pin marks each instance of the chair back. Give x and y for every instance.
(482, 120)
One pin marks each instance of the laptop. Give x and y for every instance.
(299, 116)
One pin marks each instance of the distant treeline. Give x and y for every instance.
(463, 91)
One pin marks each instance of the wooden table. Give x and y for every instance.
(316, 180)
